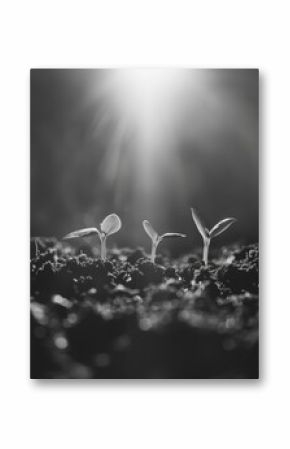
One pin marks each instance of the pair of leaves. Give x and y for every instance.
(216, 230)
(154, 236)
(110, 225)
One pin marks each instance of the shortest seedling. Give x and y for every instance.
(110, 225)
(36, 246)
(156, 238)
(207, 235)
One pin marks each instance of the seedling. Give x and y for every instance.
(156, 238)
(110, 225)
(207, 235)
(36, 245)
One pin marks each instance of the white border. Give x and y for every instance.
(204, 414)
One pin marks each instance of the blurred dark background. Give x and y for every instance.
(98, 145)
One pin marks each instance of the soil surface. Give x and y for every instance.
(129, 318)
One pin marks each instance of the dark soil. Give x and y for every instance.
(129, 318)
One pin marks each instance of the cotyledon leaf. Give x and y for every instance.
(201, 228)
(221, 226)
(172, 235)
(81, 233)
(150, 230)
(111, 224)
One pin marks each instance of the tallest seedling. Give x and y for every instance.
(207, 235)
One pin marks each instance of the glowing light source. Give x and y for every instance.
(147, 98)
(145, 110)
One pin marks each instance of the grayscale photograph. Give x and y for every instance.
(144, 223)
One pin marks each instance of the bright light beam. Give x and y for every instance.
(146, 109)
(146, 97)
(148, 102)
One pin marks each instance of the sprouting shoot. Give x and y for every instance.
(110, 225)
(156, 238)
(207, 235)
